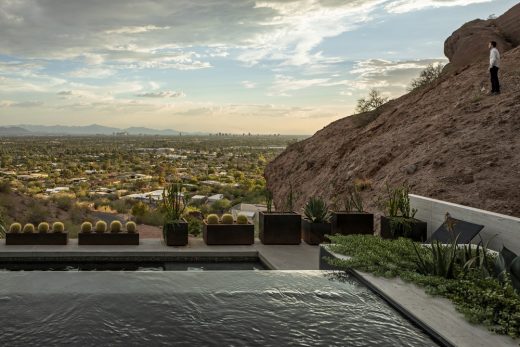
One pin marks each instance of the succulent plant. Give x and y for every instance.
(316, 210)
(354, 202)
(116, 226)
(242, 219)
(43, 227)
(227, 219)
(212, 219)
(131, 227)
(58, 227)
(28, 228)
(101, 226)
(269, 200)
(86, 227)
(15, 228)
(174, 202)
(507, 264)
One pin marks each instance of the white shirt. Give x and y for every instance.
(494, 58)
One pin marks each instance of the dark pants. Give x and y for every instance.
(495, 84)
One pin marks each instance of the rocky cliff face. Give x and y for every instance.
(448, 141)
(470, 42)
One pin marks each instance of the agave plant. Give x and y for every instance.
(316, 210)
(174, 202)
(441, 261)
(476, 258)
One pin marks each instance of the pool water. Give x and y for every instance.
(214, 308)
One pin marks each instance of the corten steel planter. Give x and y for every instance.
(176, 233)
(278, 228)
(50, 238)
(229, 234)
(417, 233)
(314, 233)
(108, 238)
(349, 223)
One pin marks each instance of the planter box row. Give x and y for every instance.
(61, 239)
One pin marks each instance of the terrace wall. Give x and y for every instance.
(506, 228)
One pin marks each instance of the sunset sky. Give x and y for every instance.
(287, 67)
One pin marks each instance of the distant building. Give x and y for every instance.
(56, 190)
(198, 199)
(214, 198)
(249, 210)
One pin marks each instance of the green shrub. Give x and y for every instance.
(5, 186)
(427, 76)
(242, 219)
(28, 228)
(43, 227)
(227, 219)
(86, 227)
(15, 228)
(58, 227)
(316, 210)
(116, 226)
(131, 227)
(195, 225)
(212, 219)
(101, 226)
(63, 201)
(372, 102)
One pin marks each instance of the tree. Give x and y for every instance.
(427, 76)
(372, 102)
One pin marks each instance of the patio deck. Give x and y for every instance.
(275, 257)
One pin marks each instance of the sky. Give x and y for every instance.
(285, 66)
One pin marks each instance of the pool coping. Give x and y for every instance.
(412, 305)
(273, 257)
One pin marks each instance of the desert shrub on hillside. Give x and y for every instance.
(5, 186)
(372, 102)
(36, 212)
(63, 201)
(427, 76)
(121, 206)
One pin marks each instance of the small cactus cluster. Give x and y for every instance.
(15, 228)
(226, 219)
(28, 228)
(131, 227)
(43, 227)
(86, 227)
(212, 219)
(58, 227)
(242, 219)
(101, 227)
(116, 226)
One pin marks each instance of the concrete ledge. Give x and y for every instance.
(435, 315)
(502, 229)
(275, 257)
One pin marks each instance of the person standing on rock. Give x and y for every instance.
(494, 65)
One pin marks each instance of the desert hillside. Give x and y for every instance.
(448, 141)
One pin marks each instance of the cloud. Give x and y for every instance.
(248, 84)
(23, 104)
(65, 92)
(163, 94)
(402, 6)
(87, 72)
(283, 84)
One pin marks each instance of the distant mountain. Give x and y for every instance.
(13, 131)
(94, 129)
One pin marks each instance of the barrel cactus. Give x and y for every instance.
(86, 227)
(28, 228)
(43, 227)
(101, 226)
(227, 219)
(212, 219)
(242, 219)
(116, 226)
(131, 227)
(15, 228)
(58, 227)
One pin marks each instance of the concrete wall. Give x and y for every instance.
(506, 228)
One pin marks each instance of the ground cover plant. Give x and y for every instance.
(477, 283)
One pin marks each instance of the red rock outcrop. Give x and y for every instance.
(448, 141)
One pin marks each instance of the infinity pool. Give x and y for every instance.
(215, 308)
